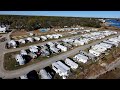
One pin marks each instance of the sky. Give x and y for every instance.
(101, 14)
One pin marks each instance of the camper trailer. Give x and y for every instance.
(29, 39)
(70, 63)
(44, 75)
(80, 58)
(23, 52)
(22, 41)
(94, 52)
(23, 77)
(12, 43)
(32, 55)
(54, 50)
(36, 38)
(43, 38)
(20, 59)
(63, 48)
(63, 66)
(3, 29)
(33, 49)
(60, 70)
(49, 36)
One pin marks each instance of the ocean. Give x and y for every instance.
(114, 23)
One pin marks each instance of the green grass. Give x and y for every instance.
(11, 64)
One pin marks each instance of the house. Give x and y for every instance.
(59, 70)
(20, 59)
(70, 63)
(23, 77)
(29, 39)
(80, 58)
(63, 48)
(43, 38)
(3, 29)
(44, 75)
(33, 49)
(94, 52)
(54, 49)
(63, 66)
(12, 43)
(36, 38)
(33, 55)
(22, 41)
(23, 52)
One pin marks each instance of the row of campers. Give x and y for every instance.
(17, 43)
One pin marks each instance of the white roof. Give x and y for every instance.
(43, 37)
(59, 67)
(71, 62)
(23, 52)
(33, 49)
(94, 52)
(63, 65)
(36, 38)
(2, 29)
(51, 44)
(61, 46)
(23, 77)
(19, 59)
(21, 40)
(80, 56)
(44, 74)
(54, 49)
(12, 42)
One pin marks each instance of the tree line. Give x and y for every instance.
(34, 22)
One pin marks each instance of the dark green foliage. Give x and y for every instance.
(34, 22)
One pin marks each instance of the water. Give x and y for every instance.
(114, 23)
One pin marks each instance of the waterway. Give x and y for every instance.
(113, 22)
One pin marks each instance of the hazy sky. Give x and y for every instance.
(108, 14)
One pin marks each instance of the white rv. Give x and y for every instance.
(3, 29)
(12, 43)
(29, 39)
(33, 49)
(20, 59)
(22, 41)
(63, 48)
(36, 38)
(60, 70)
(54, 50)
(43, 38)
(80, 58)
(70, 63)
(44, 75)
(95, 53)
(23, 77)
(63, 66)
(23, 52)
